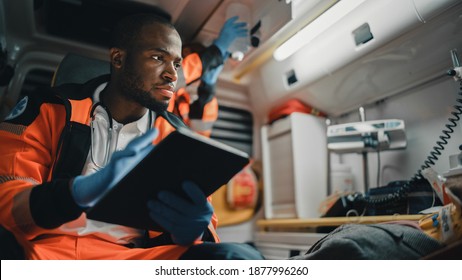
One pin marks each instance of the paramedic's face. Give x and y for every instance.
(149, 72)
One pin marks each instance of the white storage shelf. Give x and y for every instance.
(294, 166)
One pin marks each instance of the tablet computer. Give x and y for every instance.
(182, 155)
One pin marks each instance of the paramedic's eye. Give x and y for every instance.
(177, 66)
(158, 58)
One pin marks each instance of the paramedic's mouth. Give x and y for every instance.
(166, 91)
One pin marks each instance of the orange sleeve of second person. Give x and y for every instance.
(192, 67)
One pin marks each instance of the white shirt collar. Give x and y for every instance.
(141, 124)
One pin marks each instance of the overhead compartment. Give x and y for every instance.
(426, 9)
(371, 27)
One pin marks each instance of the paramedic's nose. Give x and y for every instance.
(170, 73)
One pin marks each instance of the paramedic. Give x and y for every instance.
(62, 148)
(196, 103)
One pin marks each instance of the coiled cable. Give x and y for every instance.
(402, 193)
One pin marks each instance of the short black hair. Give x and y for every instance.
(128, 28)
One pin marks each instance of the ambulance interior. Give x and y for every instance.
(366, 98)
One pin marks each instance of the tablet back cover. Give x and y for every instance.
(182, 155)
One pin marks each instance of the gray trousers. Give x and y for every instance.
(372, 242)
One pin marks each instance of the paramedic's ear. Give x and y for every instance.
(116, 56)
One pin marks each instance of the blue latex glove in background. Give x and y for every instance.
(88, 190)
(230, 31)
(185, 220)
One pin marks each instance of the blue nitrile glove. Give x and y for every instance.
(230, 31)
(87, 190)
(210, 77)
(185, 220)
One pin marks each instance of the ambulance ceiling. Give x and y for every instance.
(90, 21)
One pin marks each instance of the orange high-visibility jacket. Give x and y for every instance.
(44, 144)
(201, 113)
